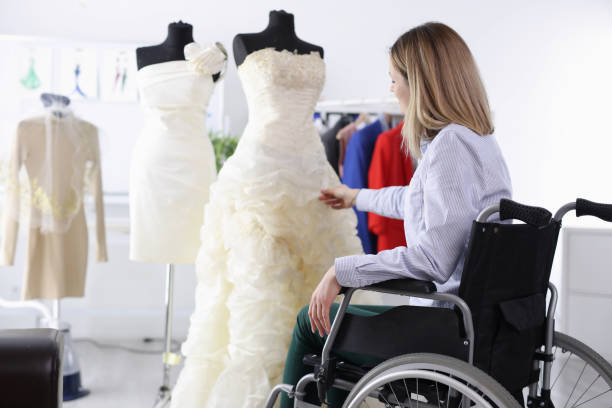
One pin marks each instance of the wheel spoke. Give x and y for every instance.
(417, 392)
(437, 394)
(394, 394)
(597, 396)
(448, 396)
(575, 385)
(383, 396)
(594, 377)
(407, 392)
(585, 391)
(406, 388)
(561, 371)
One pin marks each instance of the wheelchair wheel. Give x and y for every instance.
(427, 381)
(580, 376)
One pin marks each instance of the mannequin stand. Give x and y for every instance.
(72, 372)
(169, 358)
(56, 311)
(72, 387)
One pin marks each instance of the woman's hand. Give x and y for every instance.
(321, 301)
(339, 197)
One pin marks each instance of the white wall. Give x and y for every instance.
(546, 66)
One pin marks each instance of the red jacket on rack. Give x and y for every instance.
(390, 166)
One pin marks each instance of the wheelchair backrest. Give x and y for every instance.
(504, 282)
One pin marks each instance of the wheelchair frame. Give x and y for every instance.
(546, 355)
(299, 391)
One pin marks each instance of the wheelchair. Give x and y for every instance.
(485, 347)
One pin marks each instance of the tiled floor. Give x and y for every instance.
(118, 378)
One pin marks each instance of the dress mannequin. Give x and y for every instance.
(266, 239)
(60, 155)
(175, 88)
(172, 49)
(173, 161)
(280, 34)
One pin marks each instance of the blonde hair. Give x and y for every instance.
(444, 84)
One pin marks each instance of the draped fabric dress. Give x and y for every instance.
(173, 162)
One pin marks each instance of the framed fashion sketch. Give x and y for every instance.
(78, 73)
(29, 69)
(26, 71)
(118, 75)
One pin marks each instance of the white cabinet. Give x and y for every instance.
(587, 287)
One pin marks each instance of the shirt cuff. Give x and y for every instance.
(364, 198)
(346, 272)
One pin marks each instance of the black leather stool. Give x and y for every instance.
(31, 368)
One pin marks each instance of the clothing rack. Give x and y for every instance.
(372, 106)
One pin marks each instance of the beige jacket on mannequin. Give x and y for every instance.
(56, 261)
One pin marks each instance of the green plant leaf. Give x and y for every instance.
(223, 146)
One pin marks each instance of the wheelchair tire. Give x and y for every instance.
(580, 376)
(433, 369)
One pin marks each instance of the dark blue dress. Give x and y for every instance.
(357, 160)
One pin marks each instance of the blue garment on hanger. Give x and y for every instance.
(357, 160)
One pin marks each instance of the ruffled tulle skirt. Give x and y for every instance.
(266, 242)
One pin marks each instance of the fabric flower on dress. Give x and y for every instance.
(206, 60)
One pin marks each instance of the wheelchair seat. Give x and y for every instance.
(395, 329)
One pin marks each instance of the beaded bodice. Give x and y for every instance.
(281, 89)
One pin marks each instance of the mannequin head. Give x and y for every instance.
(49, 99)
(179, 34)
(281, 20)
(437, 83)
(281, 16)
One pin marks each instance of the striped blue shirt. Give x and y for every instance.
(460, 174)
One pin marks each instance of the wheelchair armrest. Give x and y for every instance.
(405, 287)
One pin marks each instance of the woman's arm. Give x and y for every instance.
(447, 213)
(388, 201)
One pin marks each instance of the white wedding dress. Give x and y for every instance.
(173, 162)
(266, 241)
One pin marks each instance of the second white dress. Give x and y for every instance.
(266, 241)
(173, 162)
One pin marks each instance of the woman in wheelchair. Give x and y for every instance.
(461, 170)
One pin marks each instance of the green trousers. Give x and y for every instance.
(304, 342)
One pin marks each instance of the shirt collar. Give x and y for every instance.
(424, 145)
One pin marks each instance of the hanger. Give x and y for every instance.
(362, 120)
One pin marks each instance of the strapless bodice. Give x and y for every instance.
(282, 89)
(175, 94)
(174, 85)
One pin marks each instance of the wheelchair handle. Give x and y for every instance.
(599, 210)
(508, 209)
(586, 207)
